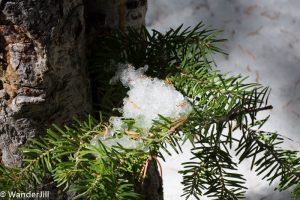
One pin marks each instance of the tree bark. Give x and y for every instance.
(43, 70)
(43, 54)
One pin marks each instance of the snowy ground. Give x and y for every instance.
(263, 43)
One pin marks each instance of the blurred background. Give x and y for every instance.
(263, 43)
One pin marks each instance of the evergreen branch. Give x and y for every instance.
(275, 162)
(212, 176)
(183, 57)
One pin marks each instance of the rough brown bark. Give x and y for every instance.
(43, 74)
(43, 49)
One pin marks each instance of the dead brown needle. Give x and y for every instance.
(132, 134)
(168, 82)
(144, 170)
(103, 133)
(177, 124)
(134, 104)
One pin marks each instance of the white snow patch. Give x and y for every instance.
(149, 97)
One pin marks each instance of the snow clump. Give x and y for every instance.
(149, 97)
(146, 99)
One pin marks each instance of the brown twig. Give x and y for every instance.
(144, 170)
(234, 115)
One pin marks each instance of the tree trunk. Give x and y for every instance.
(43, 70)
(43, 49)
